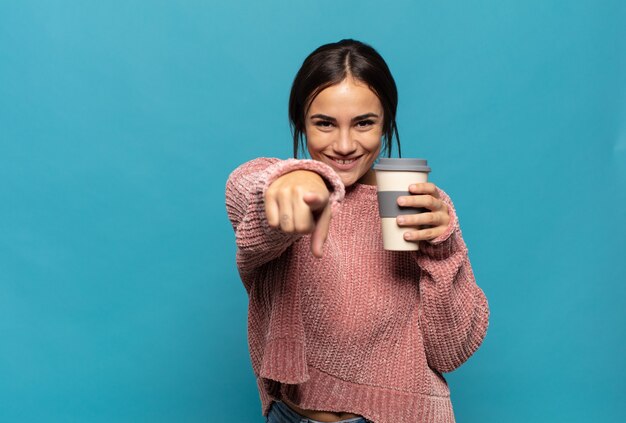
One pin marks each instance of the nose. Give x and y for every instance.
(345, 145)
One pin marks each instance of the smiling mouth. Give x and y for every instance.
(344, 161)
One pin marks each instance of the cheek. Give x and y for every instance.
(375, 142)
(316, 141)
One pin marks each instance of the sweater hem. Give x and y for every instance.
(381, 405)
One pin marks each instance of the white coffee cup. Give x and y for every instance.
(393, 177)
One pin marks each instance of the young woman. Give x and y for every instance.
(339, 329)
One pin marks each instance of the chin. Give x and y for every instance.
(348, 182)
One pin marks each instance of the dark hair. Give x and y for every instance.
(329, 65)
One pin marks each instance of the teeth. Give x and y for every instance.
(344, 161)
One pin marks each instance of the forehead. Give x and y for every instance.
(349, 97)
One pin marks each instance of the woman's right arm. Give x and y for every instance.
(257, 241)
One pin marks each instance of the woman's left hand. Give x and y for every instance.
(437, 217)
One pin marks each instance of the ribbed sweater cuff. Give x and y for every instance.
(333, 181)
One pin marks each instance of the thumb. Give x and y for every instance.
(315, 201)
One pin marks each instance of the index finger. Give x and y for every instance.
(424, 188)
(320, 233)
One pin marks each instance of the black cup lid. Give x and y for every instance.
(403, 165)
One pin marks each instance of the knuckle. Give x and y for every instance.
(286, 225)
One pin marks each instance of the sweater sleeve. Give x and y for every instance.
(257, 242)
(454, 313)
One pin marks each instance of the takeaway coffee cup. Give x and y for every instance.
(393, 177)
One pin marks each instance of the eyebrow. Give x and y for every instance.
(354, 119)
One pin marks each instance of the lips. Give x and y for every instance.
(344, 164)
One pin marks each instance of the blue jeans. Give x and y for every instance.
(281, 413)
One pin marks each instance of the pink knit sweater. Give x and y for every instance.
(362, 329)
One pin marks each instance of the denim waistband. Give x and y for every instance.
(298, 418)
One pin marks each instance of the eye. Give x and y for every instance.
(365, 123)
(323, 123)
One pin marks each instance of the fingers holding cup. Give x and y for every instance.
(434, 218)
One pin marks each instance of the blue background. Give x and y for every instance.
(121, 120)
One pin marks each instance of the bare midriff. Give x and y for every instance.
(322, 416)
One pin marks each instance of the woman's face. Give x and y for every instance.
(343, 127)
